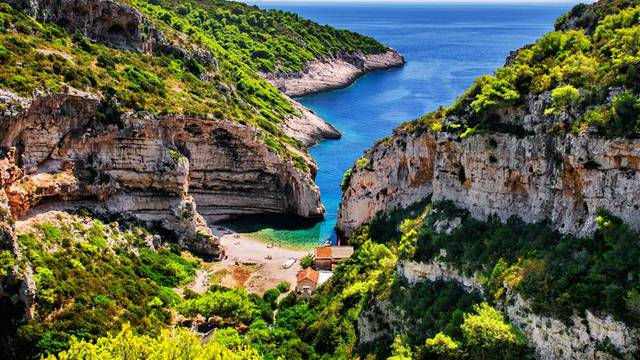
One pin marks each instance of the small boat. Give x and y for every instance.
(289, 263)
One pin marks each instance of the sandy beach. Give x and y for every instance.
(250, 263)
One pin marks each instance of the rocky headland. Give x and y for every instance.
(179, 172)
(156, 168)
(333, 73)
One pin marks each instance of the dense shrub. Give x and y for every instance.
(232, 304)
(178, 344)
(90, 282)
(559, 274)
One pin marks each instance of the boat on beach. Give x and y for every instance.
(289, 263)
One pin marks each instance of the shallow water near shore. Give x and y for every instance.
(446, 47)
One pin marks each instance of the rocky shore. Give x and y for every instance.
(307, 127)
(331, 74)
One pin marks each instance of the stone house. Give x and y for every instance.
(307, 282)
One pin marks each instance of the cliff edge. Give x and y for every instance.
(333, 73)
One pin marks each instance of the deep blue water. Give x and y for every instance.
(446, 47)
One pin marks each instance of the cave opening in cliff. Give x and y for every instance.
(118, 35)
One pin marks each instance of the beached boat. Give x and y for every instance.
(289, 263)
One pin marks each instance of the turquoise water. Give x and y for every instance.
(446, 47)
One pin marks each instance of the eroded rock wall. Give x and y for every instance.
(536, 177)
(172, 171)
(17, 286)
(107, 21)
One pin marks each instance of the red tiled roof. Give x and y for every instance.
(308, 273)
(323, 251)
(336, 252)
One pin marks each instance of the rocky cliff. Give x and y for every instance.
(527, 143)
(156, 168)
(535, 177)
(106, 21)
(333, 73)
(82, 148)
(17, 287)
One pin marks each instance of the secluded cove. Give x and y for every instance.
(446, 47)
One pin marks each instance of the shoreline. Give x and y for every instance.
(317, 77)
(253, 264)
(321, 76)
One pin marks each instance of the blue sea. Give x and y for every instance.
(446, 47)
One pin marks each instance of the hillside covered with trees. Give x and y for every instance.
(111, 289)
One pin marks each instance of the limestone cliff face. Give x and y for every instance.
(333, 73)
(17, 286)
(170, 171)
(106, 21)
(551, 338)
(535, 177)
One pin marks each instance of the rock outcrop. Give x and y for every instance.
(113, 23)
(106, 21)
(174, 172)
(552, 338)
(333, 73)
(535, 177)
(17, 286)
(307, 127)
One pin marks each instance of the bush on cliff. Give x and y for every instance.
(596, 62)
(177, 344)
(559, 274)
(90, 281)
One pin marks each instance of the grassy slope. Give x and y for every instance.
(268, 41)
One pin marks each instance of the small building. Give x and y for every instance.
(327, 257)
(307, 282)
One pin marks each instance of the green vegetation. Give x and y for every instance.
(90, 281)
(178, 344)
(485, 335)
(283, 286)
(235, 305)
(362, 163)
(588, 69)
(344, 184)
(306, 261)
(563, 99)
(432, 307)
(558, 274)
(268, 41)
(488, 336)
